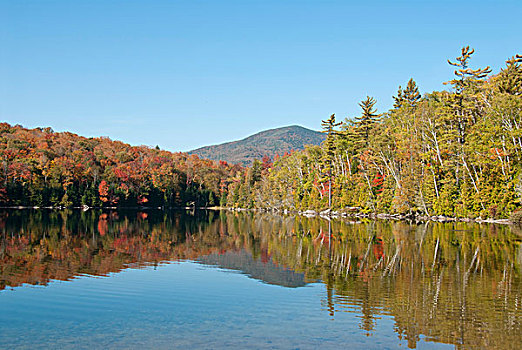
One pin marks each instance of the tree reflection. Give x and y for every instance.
(454, 283)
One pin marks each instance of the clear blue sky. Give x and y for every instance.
(182, 74)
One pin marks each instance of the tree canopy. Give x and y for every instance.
(454, 153)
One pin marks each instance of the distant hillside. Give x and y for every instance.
(268, 142)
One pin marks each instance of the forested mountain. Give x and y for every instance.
(266, 143)
(40, 167)
(455, 153)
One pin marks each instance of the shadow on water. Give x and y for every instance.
(455, 283)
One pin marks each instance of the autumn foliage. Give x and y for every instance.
(40, 167)
(453, 153)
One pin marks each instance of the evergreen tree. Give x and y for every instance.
(399, 99)
(329, 145)
(411, 93)
(407, 97)
(466, 77)
(364, 123)
(254, 174)
(509, 80)
(465, 102)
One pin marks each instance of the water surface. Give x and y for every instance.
(127, 279)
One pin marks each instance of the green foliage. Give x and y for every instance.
(364, 123)
(455, 153)
(407, 97)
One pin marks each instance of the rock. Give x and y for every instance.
(496, 221)
(353, 208)
(325, 212)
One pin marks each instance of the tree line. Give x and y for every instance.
(40, 167)
(454, 153)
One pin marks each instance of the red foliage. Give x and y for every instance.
(377, 183)
(39, 157)
(121, 174)
(266, 162)
(222, 187)
(142, 200)
(103, 190)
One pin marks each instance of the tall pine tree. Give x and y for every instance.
(509, 80)
(407, 97)
(364, 123)
(329, 145)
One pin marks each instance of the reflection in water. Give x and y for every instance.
(262, 269)
(453, 283)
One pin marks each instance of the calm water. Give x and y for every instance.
(218, 280)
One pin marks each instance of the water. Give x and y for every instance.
(218, 280)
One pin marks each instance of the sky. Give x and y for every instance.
(184, 74)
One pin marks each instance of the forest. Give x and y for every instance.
(454, 153)
(43, 168)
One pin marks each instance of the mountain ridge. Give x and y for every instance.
(270, 142)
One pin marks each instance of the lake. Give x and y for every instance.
(216, 279)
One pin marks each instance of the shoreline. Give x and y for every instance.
(325, 214)
(332, 214)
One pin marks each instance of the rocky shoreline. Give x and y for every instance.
(354, 213)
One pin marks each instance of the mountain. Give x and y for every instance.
(268, 142)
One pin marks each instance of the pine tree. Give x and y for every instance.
(510, 78)
(411, 93)
(329, 126)
(467, 83)
(399, 99)
(364, 124)
(407, 97)
(329, 145)
(254, 174)
(466, 77)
